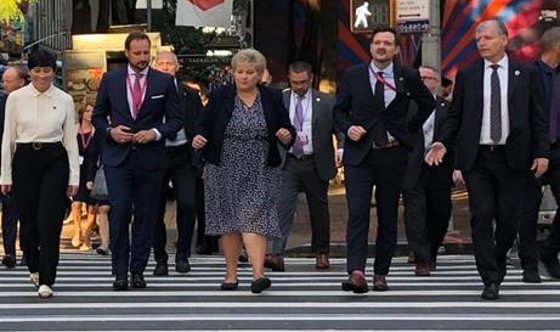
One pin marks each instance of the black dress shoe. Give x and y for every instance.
(229, 285)
(182, 266)
(120, 284)
(9, 261)
(551, 263)
(355, 283)
(491, 292)
(23, 261)
(137, 281)
(203, 250)
(531, 276)
(260, 284)
(161, 269)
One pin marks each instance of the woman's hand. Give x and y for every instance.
(199, 142)
(284, 136)
(89, 185)
(6, 189)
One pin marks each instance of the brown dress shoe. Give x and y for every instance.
(433, 266)
(422, 270)
(379, 283)
(275, 263)
(355, 283)
(322, 261)
(411, 257)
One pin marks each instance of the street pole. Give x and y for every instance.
(431, 40)
(149, 13)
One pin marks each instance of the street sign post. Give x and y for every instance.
(413, 16)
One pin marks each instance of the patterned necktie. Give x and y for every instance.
(137, 94)
(554, 106)
(298, 125)
(380, 138)
(495, 106)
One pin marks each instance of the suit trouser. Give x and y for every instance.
(384, 168)
(427, 212)
(528, 251)
(182, 175)
(9, 225)
(495, 194)
(132, 191)
(40, 180)
(301, 175)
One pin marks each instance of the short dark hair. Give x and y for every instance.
(135, 36)
(550, 38)
(41, 58)
(300, 67)
(380, 30)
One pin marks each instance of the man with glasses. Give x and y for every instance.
(427, 189)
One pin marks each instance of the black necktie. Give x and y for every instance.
(495, 106)
(381, 138)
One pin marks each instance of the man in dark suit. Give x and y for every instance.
(181, 172)
(549, 68)
(498, 124)
(307, 166)
(371, 109)
(129, 113)
(14, 77)
(427, 190)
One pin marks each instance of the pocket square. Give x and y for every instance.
(157, 97)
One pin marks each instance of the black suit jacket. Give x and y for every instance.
(112, 109)
(355, 106)
(190, 106)
(216, 115)
(322, 128)
(416, 161)
(3, 99)
(528, 132)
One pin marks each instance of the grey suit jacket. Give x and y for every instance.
(322, 129)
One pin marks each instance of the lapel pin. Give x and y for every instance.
(318, 99)
(442, 104)
(401, 79)
(517, 72)
(54, 107)
(408, 94)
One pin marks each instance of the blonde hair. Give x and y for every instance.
(250, 56)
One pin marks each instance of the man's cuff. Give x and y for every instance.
(158, 134)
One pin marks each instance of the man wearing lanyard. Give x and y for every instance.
(129, 113)
(371, 109)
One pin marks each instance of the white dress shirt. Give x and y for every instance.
(181, 138)
(307, 106)
(428, 129)
(131, 79)
(389, 94)
(46, 117)
(503, 75)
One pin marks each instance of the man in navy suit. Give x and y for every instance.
(129, 113)
(498, 125)
(371, 110)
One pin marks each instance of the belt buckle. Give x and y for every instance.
(37, 146)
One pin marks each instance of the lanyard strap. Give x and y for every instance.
(381, 79)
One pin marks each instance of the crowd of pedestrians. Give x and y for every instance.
(246, 154)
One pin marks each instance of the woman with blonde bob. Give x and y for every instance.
(238, 134)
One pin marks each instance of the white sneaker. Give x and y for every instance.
(34, 277)
(45, 292)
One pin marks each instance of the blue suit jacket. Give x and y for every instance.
(112, 109)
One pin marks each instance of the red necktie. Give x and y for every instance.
(137, 95)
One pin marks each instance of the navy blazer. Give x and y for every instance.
(112, 109)
(528, 128)
(355, 106)
(215, 117)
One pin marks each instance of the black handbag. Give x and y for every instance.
(99, 190)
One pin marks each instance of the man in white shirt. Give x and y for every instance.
(498, 125)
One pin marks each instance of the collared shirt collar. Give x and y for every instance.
(503, 63)
(133, 72)
(546, 68)
(37, 93)
(387, 70)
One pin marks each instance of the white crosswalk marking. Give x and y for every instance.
(301, 299)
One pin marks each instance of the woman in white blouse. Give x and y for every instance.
(40, 165)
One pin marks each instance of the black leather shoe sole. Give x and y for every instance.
(260, 284)
(490, 293)
(229, 286)
(183, 267)
(161, 270)
(120, 285)
(532, 277)
(350, 287)
(9, 261)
